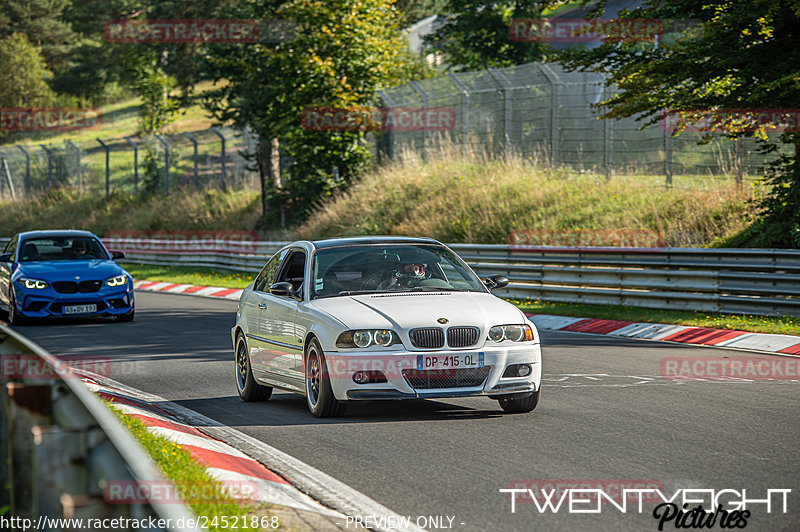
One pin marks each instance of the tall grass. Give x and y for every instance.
(459, 194)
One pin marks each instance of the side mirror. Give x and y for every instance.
(116, 255)
(496, 281)
(282, 289)
(5, 257)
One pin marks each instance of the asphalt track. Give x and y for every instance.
(605, 416)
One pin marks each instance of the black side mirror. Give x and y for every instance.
(283, 289)
(116, 255)
(496, 281)
(5, 257)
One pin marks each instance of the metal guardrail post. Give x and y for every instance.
(108, 163)
(667, 158)
(464, 104)
(505, 89)
(425, 104)
(77, 163)
(222, 138)
(135, 164)
(386, 98)
(194, 158)
(49, 165)
(608, 139)
(555, 112)
(166, 162)
(27, 170)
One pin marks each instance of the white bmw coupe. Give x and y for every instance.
(371, 318)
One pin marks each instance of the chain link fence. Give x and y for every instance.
(544, 113)
(216, 157)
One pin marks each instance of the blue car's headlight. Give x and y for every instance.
(119, 280)
(33, 283)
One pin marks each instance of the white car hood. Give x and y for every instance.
(408, 310)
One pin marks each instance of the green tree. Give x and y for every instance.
(24, 74)
(341, 52)
(42, 22)
(476, 34)
(745, 54)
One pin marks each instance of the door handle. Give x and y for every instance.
(262, 306)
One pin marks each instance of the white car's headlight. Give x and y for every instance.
(367, 337)
(119, 280)
(514, 333)
(33, 283)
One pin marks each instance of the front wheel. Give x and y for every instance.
(13, 316)
(521, 405)
(319, 395)
(246, 385)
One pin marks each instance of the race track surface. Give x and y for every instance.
(605, 417)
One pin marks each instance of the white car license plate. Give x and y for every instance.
(80, 309)
(450, 361)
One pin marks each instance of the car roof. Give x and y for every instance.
(55, 233)
(361, 240)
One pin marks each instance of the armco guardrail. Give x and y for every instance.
(754, 281)
(61, 447)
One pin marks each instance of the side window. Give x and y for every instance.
(11, 247)
(294, 270)
(267, 275)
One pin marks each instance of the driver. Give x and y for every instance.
(79, 249)
(407, 275)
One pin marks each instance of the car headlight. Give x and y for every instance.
(33, 283)
(119, 280)
(514, 333)
(367, 337)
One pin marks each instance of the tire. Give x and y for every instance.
(522, 405)
(249, 390)
(13, 317)
(125, 317)
(319, 395)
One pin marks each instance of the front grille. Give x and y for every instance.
(462, 336)
(446, 378)
(66, 287)
(87, 287)
(432, 338)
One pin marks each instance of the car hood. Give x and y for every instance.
(408, 310)
(69, 269)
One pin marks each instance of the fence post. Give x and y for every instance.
(386, 98)
(501, 80)
(608, 139)
(49, 166)
(425, 103)
(7, 172)
(135, 164)
(552, 79)
(194, 158)
(108, 165)
(27, 170)
(222, 138)
(78, 162)
(464, 104)
(166, 162)
(739, 163)
(668, 158)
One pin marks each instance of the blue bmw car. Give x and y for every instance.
(46, 274)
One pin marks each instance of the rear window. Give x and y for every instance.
(61, 248)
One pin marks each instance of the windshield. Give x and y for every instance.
(393, 268)
(62, 248)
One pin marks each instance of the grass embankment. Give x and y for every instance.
(750, 323)
(203, 494)
(455, 196)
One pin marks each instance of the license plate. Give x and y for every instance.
(450, 361)
(80, 309)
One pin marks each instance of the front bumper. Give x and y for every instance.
(48, 303)
(405, 381)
